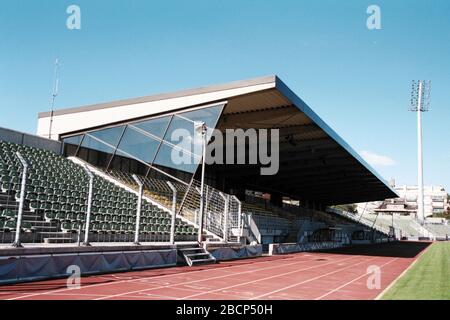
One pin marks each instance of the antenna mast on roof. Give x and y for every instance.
(54, 94)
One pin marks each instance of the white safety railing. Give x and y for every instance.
(89, 205)
(17, 242)
(138, 208)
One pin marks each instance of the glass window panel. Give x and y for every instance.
(109, 135)
(182, 133)
(95, 152)
(208, 115)
(156, 127)
(122, 162)
(168, 157)
(71, 145)
(138, 145)
(75, 140)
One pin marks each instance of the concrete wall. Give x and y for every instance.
(29, 140)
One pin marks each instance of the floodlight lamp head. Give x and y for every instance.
(420, 95)
(200, 127)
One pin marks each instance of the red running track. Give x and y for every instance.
(327, 275)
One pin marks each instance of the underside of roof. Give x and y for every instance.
(315, 163)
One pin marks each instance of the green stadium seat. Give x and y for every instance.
(8, 214)
(50, 215)
(9, 225)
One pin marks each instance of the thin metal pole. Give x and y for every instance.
(138, 210)
(202, 189)
(362, 213)
(393, 229)
(240, 222)
(54, 94)
(174, 212)
(79, 235)
(89, 206)
(226, 199)
(420, 204)
(17, 242)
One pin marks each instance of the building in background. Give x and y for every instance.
(435, 198)
(435, 202)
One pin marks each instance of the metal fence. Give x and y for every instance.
(94, 208)
(85, 210)
(222, 218)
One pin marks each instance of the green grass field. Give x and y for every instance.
(427, 279)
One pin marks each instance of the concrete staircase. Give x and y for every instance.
(41, 230)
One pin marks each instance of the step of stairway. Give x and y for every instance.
(53, 234)
(44, 228)
(6, 197)
(30, 216)
(193, 255)
(59, 240)
(9, 205)
(39, 222)
(203, 261)
(197, 255)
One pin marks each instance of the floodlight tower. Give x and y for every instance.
(420, 102)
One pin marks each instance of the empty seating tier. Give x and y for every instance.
(56, 202)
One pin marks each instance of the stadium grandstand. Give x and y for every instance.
(102, 175)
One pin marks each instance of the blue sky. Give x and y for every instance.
(357, 80)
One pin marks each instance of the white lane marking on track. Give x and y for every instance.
(218, 277)
(309, 280)
(350, 282)
(288, 258)
(266, 278)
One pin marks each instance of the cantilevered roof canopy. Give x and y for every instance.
(315, 163)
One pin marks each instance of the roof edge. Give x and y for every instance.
(165, 96)
(299, 103)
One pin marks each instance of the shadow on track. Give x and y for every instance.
(400, 249)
